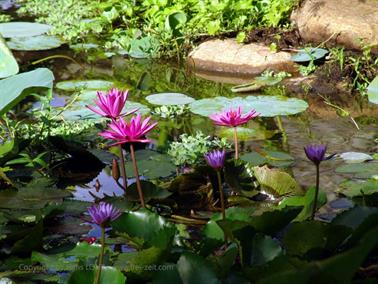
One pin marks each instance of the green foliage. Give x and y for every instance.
(144, 28)
(189, 150)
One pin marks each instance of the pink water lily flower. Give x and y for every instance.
(233, 118)
(134, 131)
(110, 105)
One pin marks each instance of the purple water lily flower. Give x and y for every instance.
(316, 153)
(103, 213)
(215, 159)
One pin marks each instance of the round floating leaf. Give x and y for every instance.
(42, 42)
(276, 182)
(150, 191)
(151, 164)
(84, 84)
(360, 170)
(264, 249)
(257, 84)
(245, 134)
(8, 64)
(359, 188)
(109, 274)
(308, 54)
(372, 91)
(355, 157)
(23, 29)
(267, 106)
(169, 99)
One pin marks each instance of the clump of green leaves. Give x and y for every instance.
(189, 150)
(5, 18)
(171, 111)
(152, 27)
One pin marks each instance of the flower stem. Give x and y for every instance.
(136, 172)
(221, 195)
(101, 257)
(236, 143)
(316, 193)
(123, 168)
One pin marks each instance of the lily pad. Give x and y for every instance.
(360, 170)
(15, 88)
(359, 188)
(372, 91)
(276, 182)
(151, 164)
(254, 132)
(8, 64)
(169, 99)
(84, 84)
(355, 157)
(23, 29)
(308, 54)
(42, 42)
(267, 106)
(257, 84)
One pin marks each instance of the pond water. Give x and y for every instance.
(288, 133)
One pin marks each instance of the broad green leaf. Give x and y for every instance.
(308, 54)
(169, 99)
(267, 106)
(195, 269)
(8, 64)
(109, 275)
(372, 91)
(16, 88)
(23, 29)
(42, 42)
(276, 182)
(264, 249)
(360, 170)
(256, 84)
(306, 201)
(149, 227)
(358, 188)
(150, 191)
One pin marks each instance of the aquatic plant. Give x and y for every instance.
(316, 154)
(110, 105)
(132, 132)
(216, 159)
(233, 118)
(101, 215)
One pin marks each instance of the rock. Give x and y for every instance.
(346, 21)
(231, 58)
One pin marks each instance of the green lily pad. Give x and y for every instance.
(360, 170)
(109, 274)
(42, 42)
(151, 164)
(8, 64)
(359, 188)
(84, 84)
(15, 88)
(308, 54)
(276, 182)
(257, 84)
(23, 29)
(253, 132)
(372, 91)
(150, 191)
(169, 99)
(267, 106)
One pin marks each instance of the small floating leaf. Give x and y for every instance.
(23, 29)
(8, 64)
(84, 84)
(308, 54)
(42, 42)
(360, 170)
(169, 99)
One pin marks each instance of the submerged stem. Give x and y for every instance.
(236, 143)
(123, 168)
(101, 257)
(221, 195)
(316, 193)
(136, 172)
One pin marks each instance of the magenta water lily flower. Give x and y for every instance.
(316, 153)
(233, 118)
(134, 131)
(103, 213)
(215, 159)
(110, 105)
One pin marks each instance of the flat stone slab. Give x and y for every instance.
(231, 58)
(346, 22)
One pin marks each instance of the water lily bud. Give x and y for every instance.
(115, 170)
